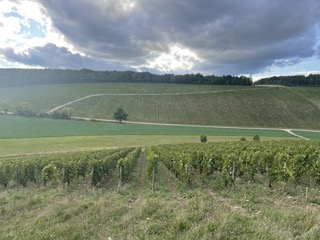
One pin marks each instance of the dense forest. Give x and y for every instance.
(311, 80)
(26, 77)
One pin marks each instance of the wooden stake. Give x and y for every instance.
(120, 179)
(153, 179)
(307, 192)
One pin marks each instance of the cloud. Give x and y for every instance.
(210, 36)
(51, 56)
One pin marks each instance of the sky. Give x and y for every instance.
(261, 38)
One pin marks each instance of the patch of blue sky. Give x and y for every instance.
(34, 29)
(13, 13)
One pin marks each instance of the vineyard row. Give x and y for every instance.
(289, 161)
(65, 168)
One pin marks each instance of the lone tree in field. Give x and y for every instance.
(120, 115)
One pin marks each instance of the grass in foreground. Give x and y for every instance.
(206, 211)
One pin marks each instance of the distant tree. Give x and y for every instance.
(4, 106)
(64, 113)
(203, 138)
(120, 115)
(25, 109)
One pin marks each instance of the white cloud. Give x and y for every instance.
(18, 19)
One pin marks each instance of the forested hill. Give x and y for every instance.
(312, 80)
(26, 77)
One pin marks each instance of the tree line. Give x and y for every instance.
(10, 77)
(312, 80)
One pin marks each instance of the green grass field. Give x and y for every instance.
(21, 127)
(21, 135)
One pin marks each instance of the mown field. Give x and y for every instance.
(182, 104)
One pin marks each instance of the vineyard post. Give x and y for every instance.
(233, 175)
(285, 171)
(189, 175)
(63, 178)
(153, 178)
(306, 192)
(16, 175)
(120, 178)
(36, 176)
(91, 180)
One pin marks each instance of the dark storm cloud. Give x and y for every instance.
(51, 56)
(231, 37)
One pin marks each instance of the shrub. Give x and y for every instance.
(203, 138)
(256, 138)
(24, 109)
(64, 113)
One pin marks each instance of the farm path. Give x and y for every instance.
(206, 126)
(294, 134)
(147, 94)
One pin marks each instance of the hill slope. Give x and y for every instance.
(183, 104)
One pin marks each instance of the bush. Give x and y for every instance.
(64, 113)
(25, 109)
(43, 115)
(256, 138)
(243, 139)
(203, 138)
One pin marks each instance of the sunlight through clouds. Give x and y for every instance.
(127, 5)
(178, 59)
